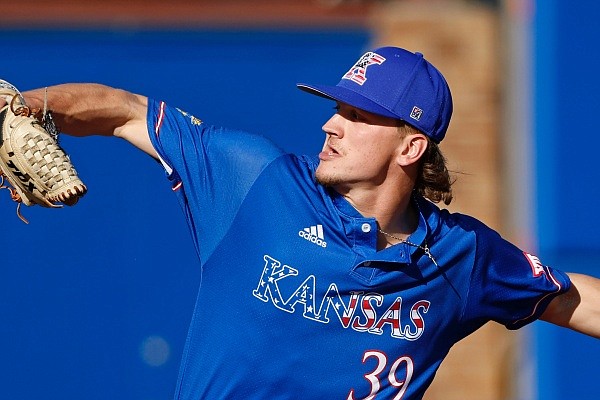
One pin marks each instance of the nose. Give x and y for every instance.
(333, 126)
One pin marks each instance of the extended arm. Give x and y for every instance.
(93, 109)
(579, 308)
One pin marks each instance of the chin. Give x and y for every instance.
(326, 178)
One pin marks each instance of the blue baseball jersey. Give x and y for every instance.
(295, 301)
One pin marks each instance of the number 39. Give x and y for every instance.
(373, 377)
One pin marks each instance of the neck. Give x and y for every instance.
(401, 224)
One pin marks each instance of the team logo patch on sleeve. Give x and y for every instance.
(193, 120)
(536, 265)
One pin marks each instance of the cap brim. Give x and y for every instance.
(347, 96)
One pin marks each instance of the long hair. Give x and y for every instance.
(433, 179)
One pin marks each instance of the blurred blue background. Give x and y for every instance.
(95, 300)
(566, 85)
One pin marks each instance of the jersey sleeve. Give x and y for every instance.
(508, 285)
(211, 169)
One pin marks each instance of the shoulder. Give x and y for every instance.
(292, 171)
(464, 237)
(443, 222)
(177, 134)
(487, 243)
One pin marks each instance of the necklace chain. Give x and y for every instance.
(425, 248)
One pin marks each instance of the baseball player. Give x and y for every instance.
(333, 276)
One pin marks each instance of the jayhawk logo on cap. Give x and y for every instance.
(358, 72)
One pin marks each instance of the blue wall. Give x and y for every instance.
(567, 83)
(95, 300)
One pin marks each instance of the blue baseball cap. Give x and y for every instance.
(395, 83)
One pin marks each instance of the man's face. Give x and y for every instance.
(359, 149)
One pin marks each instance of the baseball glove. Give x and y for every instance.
(33, 166)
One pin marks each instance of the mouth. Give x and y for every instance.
(328, 153)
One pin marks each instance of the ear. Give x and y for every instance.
(411, 149)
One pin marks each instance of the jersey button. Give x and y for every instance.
(366, 228)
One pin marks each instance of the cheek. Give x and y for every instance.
(373, 153)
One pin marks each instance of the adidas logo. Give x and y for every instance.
(313, 234)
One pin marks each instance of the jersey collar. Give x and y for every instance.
(362, 231)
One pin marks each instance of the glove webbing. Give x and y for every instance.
(38, 151)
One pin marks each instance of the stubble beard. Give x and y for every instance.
(326, 179)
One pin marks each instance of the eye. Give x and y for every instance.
(350, 113)
(356, 115)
